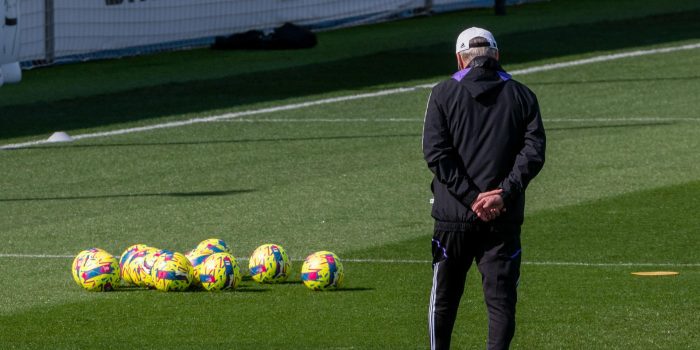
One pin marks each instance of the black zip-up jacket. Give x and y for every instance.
(482, 131)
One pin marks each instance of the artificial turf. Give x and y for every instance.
(617, 195)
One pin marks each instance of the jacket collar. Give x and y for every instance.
(485, 63)
(483, 75)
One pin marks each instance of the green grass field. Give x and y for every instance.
(618, 194)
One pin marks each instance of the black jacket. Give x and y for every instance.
(482, 131)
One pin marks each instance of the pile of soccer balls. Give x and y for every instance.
(210, 266)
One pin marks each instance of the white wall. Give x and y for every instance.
(86, 27)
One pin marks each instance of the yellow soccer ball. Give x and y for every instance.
(171, 272)
(196, 258)
(124, 260)
(214, 245)
(96, 270)
(79, 260)
(322, 270)
(269, 263)
(148, 261)
(219, 271)
(135, 267)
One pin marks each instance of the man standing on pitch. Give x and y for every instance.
(484, 141)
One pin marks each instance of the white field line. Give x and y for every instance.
(537, 263)
(35, 256)
(293, 106)
(623, 119)
(413, 261)
(417, 120)
(220, 117)
(604, 58)
(323, 120)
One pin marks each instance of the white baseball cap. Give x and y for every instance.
(471, 33)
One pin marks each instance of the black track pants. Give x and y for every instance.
(496, 251)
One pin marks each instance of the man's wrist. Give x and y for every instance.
(470, 198)
(505, 196)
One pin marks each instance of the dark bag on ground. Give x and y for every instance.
(286, 37)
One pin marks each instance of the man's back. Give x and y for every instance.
(493, 122)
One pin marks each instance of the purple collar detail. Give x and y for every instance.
(460, 75)
(504, 76)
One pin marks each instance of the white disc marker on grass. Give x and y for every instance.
(60, 136)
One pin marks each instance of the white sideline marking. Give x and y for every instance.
(624, 119)
(216, 118)
(539, 263)
(36, 256)
(604, 58)
(323, 120)
(621, 264)
(294, 106)
(409, 261)
(416, 120)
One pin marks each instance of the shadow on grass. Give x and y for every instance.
(286, 282)
(247, 278)
(244, 290)
(131, 289)
(424, 61)
(299, 282)
(350, 289)
(132, 195)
